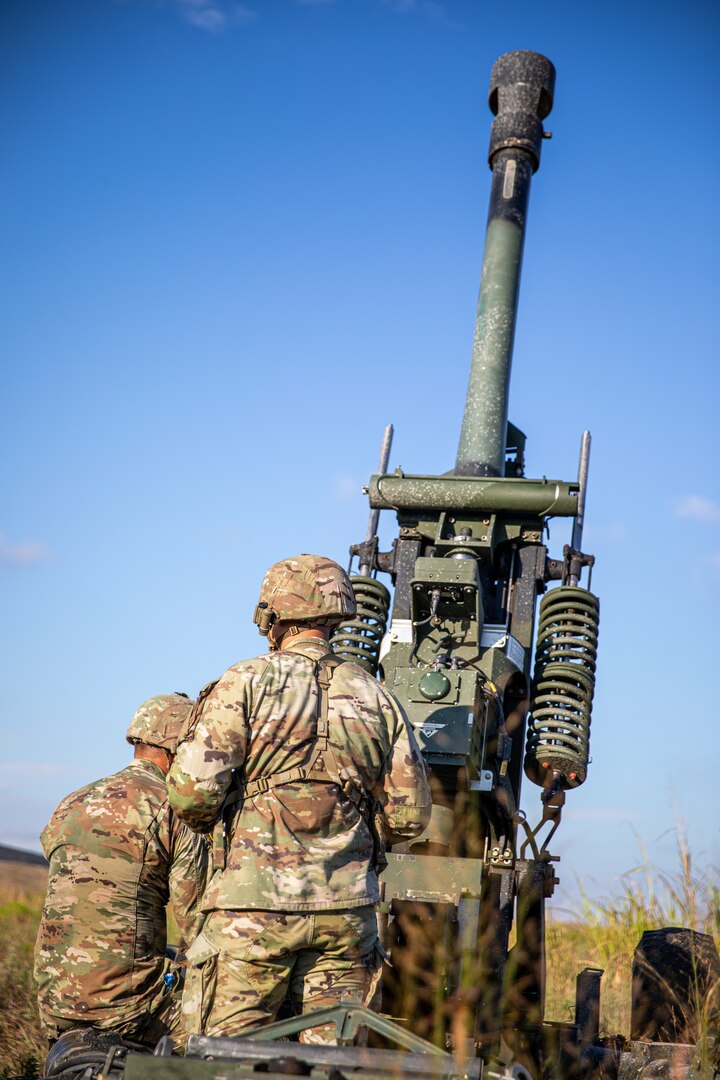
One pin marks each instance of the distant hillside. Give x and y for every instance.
(22, 871)
(15, 855)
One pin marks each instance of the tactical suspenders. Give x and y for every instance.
(320, 765)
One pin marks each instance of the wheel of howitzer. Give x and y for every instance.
(675, 1007)
(674, 971)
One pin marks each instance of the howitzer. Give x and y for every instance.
(490, 645)
(468, 567)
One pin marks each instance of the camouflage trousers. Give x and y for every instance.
(244, 964)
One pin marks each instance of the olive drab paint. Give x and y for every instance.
(468, 567)
(522, 85)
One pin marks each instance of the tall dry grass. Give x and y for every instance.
(605, 931)
(602, 933)
(22, 1047)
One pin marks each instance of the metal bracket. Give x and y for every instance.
(422, 1060)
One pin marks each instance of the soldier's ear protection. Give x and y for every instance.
(264, 618)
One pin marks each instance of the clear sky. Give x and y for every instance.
(239, 239)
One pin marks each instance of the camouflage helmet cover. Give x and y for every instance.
(159, 720)
(307, 588)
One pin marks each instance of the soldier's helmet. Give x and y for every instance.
(304, 589)
(159, 720)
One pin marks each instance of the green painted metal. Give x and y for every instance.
(244, 1059)
(349, 1018)
(482, 437)
(434, 685)
(434, 878)
(267, 1051)
(489, 494)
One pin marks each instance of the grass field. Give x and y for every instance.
(22, 1048)
(603, 934)
(606, 931)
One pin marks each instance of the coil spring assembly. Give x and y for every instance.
(563, 685)
(359, 639)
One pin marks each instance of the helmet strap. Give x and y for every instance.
(290, 632)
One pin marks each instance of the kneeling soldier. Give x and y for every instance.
(290, 753)
(117, 856)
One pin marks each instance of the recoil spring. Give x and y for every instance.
(359, 639)
(558, 741)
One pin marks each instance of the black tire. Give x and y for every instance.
(673, 975)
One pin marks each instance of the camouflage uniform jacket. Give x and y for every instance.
(117, 855)
(301, 846)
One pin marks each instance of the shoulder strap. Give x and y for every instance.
(238, 788)
(324, 671)
(324, 753)
(235, 793)
(190, 724)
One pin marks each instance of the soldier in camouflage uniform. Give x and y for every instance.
(117, 856)
(289, 752)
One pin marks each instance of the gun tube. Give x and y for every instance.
(521, 96)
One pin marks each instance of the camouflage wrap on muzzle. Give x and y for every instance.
(308, 588)
(159, 721)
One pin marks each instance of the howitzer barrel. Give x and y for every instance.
(521, 96)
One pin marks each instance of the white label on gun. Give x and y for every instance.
(431, 729)
(401, 630)
(515, 652)
(509, 180)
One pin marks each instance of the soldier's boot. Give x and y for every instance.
(81, 1046)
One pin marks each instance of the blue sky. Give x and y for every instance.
(238, 240)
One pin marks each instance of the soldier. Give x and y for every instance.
(117, 855)
(297, 746)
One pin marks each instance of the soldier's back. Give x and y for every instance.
(301, 839)
(102, 935)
